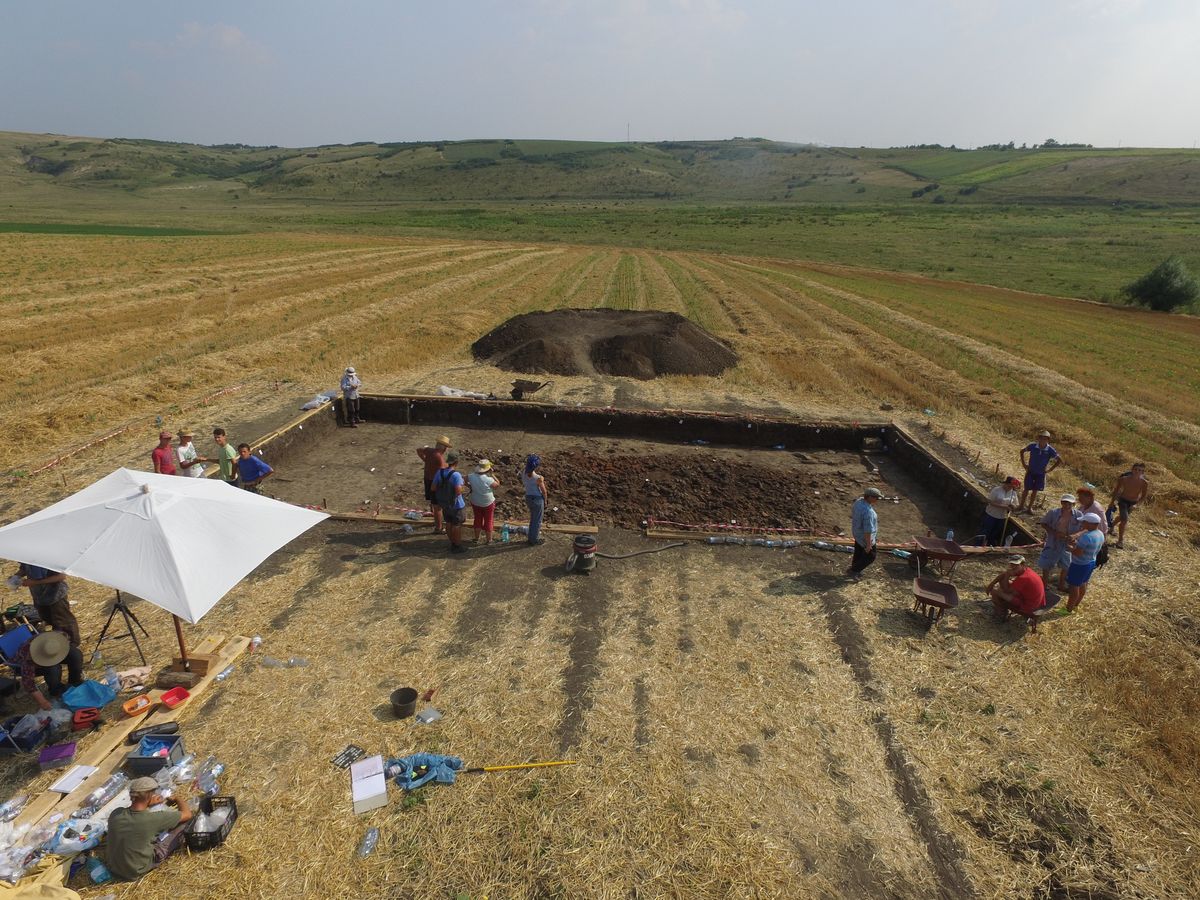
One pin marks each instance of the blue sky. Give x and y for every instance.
(877, 73)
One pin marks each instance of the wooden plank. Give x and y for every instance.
(384, 519)
(808, 541)
(108, 752)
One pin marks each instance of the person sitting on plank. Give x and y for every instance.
(133, 848)
(1017, 589)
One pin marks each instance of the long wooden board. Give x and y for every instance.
(385, 519)
(808, 541)
(107, 753)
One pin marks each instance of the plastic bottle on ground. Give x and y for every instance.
(255, 642)
(406, 529)
(272, 663)
(714, 539)
(225, 673)
(98, 871)
(949, 534)
(823, 545)
(297, 662)
(504, 535)
(370, 839)
(412, 514)
(112, 679)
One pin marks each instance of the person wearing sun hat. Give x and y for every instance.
(1017, 589)
(434, 459)
(161, 456)
(350, 386)
(481, 483)
(1002, 502)
(132, 847)
(1085, 547)
(44, 655)
(190, 461)
(1038, 459)
(1059, 524)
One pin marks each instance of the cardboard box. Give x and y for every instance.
(368, 784)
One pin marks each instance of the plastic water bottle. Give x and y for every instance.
(770, 543)
(823, 545)
(949, 534)
(406, 529)
(1008, 541)
(225, 673)
(98, 871)
(255, 642)
(788, 545)
(714, 539)
(297, 662)
(370, 839)
(112, 679)
(901, 554)
(413, 514)
(504, 535)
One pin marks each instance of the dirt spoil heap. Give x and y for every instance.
(641, 345)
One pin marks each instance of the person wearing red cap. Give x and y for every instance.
(1002, 503)
(162, 457)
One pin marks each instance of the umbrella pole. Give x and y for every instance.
(187, 666)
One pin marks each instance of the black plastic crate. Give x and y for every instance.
(206, 840)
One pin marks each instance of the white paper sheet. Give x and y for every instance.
(75, 776)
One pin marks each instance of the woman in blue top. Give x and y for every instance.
(1084, 549)
(535, 497)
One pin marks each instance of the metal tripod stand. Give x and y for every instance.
(131, 619)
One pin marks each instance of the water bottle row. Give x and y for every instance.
(751, 542)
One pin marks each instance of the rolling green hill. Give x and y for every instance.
(739, 170)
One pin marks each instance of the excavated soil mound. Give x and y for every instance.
(604, 342)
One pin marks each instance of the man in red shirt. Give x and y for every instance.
(164, 459)
(1017, 589)
(435, 460)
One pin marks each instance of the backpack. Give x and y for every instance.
(1102, 556)
(444, 489)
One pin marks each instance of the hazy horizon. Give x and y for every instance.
(1112, 73)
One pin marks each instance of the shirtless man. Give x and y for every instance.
(1130, 490)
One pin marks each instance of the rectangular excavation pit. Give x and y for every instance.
(616, 467)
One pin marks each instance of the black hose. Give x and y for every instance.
(640, 552)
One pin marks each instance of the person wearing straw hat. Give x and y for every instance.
(434, 459)
(131, 847)
(350, 386)
(1059, 524)
(1017, 589)
(1085, 547)
(161, 456)
(481, 484)
(190, 461)
(1038, 459)
(44, 655)
(1002, 502)
(864, 525)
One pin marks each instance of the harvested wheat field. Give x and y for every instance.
(746, 721)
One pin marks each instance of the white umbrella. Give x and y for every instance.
(180, 543)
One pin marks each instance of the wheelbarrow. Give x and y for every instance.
(523, 386)
(938, 555)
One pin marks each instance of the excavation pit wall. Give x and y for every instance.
(962, 500)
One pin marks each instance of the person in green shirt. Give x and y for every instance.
(132, 848)
(226, 457)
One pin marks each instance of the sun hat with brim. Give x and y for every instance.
(143, 785)
(484, 465)
(1045, 434)
(873, 492)
(186, 432)
(49, 648)
(1091, 519)
(1016, 560)
(350, 370)
(1067, 498)
(445, 442)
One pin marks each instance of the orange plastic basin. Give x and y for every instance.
(137, 705)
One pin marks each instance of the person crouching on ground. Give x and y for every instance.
(864, 525)
(1085, 547)
(1002, 502)
(44, 655)
(131, 848)
(448, 490)
(1017, 589)
(483, 500)
(1059, 524)
(535, 497)
(161, 456)
(252, 469)
(1130, 490)
(350, 386)
(434, 459)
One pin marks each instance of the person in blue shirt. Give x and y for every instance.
(251, 469)
(864, 525)
(1085, 547)
(447, 488)
(1038, 459)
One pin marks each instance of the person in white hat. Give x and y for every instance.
(132, 847)
(350, 386)
(481, 483)
(1038, 459)
(1017, 589)
(44, 655)
(1085, 547)
(1059, 524)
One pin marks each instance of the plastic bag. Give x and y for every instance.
(88, 694)
(75, 837)
(28, 725)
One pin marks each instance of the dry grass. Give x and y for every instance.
(728, 748)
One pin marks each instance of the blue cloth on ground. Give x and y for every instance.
(440, 768)
(89, 694)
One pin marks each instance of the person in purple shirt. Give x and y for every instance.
(1038, 459)
(251, 469)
